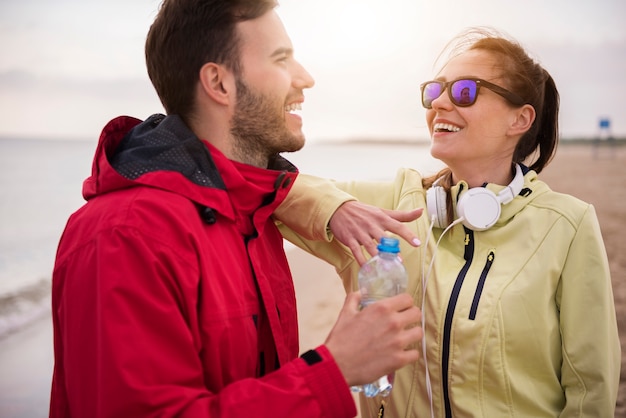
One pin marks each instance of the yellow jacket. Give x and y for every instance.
(520, 318)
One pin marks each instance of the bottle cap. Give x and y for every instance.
(389, 245)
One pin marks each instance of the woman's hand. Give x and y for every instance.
(357, 224)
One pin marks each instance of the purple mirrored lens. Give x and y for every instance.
(431, 92)
(463, 92)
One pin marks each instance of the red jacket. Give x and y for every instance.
(172, 295)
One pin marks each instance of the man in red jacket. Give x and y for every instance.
(172, 295)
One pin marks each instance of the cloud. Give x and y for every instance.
(52, 106)
(380, 100)
(591, 82)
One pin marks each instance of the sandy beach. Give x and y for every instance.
(596, 175)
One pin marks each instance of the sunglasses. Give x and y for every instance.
(463, 92)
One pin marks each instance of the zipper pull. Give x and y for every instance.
(381, 411)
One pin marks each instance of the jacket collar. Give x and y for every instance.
(531, 189)
(162, 152)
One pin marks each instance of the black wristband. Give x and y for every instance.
(311, 357)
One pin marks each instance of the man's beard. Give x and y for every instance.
(259, 128)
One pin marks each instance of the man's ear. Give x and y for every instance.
(523, 121)
(217, 83)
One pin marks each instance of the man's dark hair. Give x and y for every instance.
(185, 35)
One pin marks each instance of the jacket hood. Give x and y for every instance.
(160, 152)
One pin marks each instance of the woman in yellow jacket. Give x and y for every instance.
(512, 277)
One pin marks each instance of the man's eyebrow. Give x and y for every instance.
(282, 51)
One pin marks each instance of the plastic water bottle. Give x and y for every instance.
(382, 276)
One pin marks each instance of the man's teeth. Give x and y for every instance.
(293, 107)
(446, 127)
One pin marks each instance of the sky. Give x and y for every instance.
(69, 66)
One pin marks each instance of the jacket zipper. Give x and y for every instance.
(481, 284)
(447, 327)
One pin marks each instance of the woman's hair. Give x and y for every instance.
(523, 76)
(185, 35)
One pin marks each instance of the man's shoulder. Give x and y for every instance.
(141, 214)
(143, 208)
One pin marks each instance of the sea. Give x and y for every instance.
(41, 182)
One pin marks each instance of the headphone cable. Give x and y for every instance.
(424, 283)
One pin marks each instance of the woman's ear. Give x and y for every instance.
(217, 83)
(524, 119)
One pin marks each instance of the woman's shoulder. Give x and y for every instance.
(409, 178)
(565, 204)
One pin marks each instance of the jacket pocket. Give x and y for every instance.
(481, 283)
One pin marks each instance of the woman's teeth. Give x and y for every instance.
(446, 127)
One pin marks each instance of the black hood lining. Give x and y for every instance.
(165, 143)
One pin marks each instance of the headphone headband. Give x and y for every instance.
(514, 188)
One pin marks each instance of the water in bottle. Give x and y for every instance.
(382, 276)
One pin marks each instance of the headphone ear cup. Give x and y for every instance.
(436, 205)
(479, 208)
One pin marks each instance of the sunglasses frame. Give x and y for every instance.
(445, 85)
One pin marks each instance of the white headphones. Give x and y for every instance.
(479, 208)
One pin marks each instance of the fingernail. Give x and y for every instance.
(417, 242)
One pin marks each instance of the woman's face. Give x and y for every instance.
(476, 136)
